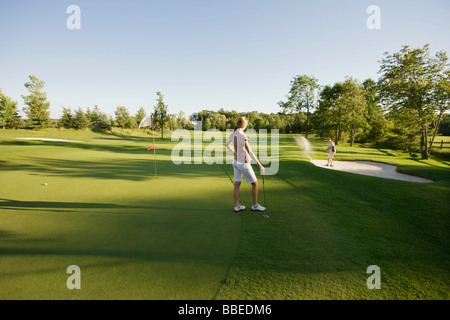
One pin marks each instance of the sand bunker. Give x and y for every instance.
(48, 139)
(370, 168)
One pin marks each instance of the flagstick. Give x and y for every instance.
(154, 150)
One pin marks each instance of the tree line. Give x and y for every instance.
(405, 108)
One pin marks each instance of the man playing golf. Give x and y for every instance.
(331, 149)
(241, 164)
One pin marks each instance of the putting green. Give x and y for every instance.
(135, 236)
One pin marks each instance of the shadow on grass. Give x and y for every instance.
(434, 172)
(58, 206)
(124, 169)
(51, 206)
(119, 148)
(120, 136)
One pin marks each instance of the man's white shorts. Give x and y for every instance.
(331, 155)
(243, 169)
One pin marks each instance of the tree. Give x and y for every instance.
(160, 114)
(91, 116)
(172, 123)
(207, 124)
(218, 121)
(66, 120)
(354, 107)
(232, 117)
(329, 118)
(296, 122)
(404, 133)
(409, 88)
(38, 107)
(302, 95)
(122, 116)
(8, 110)
(182, 121)
(103, 122)
(260, 123)
(80, 120)
(375, 115)
(98, 120)
(16, 121)
(140, 114)
(131, 123)
(251, 117)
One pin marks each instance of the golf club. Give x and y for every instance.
(264, 188)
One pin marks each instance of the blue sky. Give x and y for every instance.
(237, 55)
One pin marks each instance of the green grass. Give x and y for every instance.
(132, 235)
(176, 237)
(330, 226)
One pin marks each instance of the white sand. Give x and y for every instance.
(48, 139)
(370, 168)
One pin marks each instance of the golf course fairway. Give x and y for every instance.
(96, 203)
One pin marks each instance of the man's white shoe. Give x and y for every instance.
(258, 207)
(239, 208)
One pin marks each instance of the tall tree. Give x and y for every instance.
(80, 119)
(131, 123)
(37, 108)
(8, 110)
(329, 118)
(182, 121)
(122, 116)
(355, 107)
(93, 116)
(375, 114)
(66, 120)
(303, 95)
(160, 113)
(409, 87)
(103, 122)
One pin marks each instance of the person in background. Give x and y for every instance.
(331, 149)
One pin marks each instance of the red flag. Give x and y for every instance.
(151, 147)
